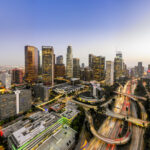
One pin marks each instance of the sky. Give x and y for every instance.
(100, 27)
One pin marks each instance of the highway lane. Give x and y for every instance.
(124, 112)
(111, 126)
(138, 132)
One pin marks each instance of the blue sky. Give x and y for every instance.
(101, 27)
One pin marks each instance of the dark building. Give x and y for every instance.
(76, 67)
(59, 70)
(31, 63)
(148, 66)
(17, 76)
(40, 92)
(86, 74)
(140, 69)
(90, 60)
(59, 60)
(9, 105)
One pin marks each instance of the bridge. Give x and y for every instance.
(134, 97)
(84, 105)
(136, 121)
(130, 119)
(118, 141)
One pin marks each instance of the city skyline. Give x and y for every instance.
(99, 27)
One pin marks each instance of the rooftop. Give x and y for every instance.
(61, 140)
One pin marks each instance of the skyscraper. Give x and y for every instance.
(48, 65)
(17, 76)
(76, 68)
(31, 63)
(82, 65)
(90, 60)
(118, 66)
(98, 66)
(59, 60)
(109, 73)
(148, 66)
(140, 69)
(59, 70)
(69, 63)
(86, 74)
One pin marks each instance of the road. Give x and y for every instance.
(136, 98)
(133, 120)
(111, 126)
(118, 141)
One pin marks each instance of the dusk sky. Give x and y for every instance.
(101, 27)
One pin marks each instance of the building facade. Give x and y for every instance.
(69, 63)
(86, 74)
(140, 69)
(12, 104)
(109, 73)
(76, 67)
(48, 65)
(17, 76)
(98, 66)
(90, 60)
(118, 66)
(59, 70)
(31, 64)
(5, 78)
(59, 60)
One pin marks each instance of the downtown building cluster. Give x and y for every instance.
(98, 69)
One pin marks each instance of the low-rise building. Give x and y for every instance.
(15, 103)
(33, 130)
(64, 139)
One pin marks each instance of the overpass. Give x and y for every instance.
(134, 97)
(130, 119)
(84, 105)
(117, 141)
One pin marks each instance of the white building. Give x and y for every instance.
(109, 73)
(6, 80)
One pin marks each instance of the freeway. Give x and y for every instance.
(128, 118)
(118, 141)
(84, 105)
(137, 141)
(134, 97)
(111, 126)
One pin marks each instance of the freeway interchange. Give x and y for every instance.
(108, 135)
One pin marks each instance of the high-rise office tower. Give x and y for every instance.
(140, 69)
(118, 66)
(17, 76)
(76, 68)
(48, 65)
(59, 60)
(59, 70)
(98, 66)
(90, 60)
(109, 73)
(86, 74)
(31, 63)
(69, 63)
(83, 65)
(148, 66)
